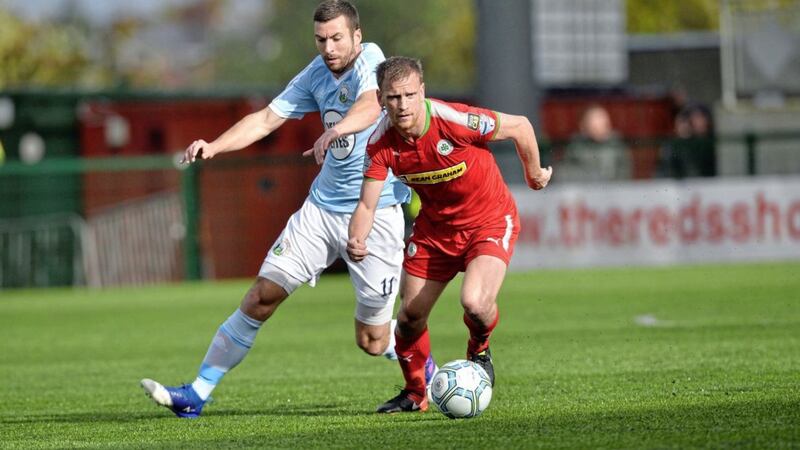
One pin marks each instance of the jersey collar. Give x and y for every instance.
(427, 118)
(414, 141)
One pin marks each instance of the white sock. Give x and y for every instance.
(203, 388)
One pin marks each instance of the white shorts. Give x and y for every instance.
(314, 238)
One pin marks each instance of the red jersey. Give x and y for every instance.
(450, 165)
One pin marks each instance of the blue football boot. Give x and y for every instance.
(182, 400)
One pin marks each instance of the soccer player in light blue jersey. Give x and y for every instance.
(339, 83)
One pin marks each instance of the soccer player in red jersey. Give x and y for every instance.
(468, 221)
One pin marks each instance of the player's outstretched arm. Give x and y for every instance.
(520, 130)
(249, 129)
(364, 112)
(361, 221)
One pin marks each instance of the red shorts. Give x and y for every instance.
(439, 252)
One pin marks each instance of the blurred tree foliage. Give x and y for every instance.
(68, 52)
(649, 16)
(41, 54)
(440, 33)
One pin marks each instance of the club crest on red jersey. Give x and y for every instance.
(444, 147)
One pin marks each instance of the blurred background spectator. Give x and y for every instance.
(596, 152)
(692, 151)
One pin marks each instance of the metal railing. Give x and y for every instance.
(68, 249)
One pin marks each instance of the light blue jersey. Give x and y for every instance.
(338, 185)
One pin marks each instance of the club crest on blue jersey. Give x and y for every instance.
(344, 94)
(315, 89)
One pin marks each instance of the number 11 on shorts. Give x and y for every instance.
(388, 286)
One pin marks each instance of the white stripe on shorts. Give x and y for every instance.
(509, 229)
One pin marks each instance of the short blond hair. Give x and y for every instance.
(398, 68)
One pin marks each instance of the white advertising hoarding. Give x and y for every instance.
(659, 222)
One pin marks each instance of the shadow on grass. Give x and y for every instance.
(765, 423)
(770, 423)
(299, 410)
(84, 417)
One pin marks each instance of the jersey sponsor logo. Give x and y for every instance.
(444, 147)
(412, 249)
(435, 176)
(473, 121)
(486, 124)
(343, 146)
(344, 94)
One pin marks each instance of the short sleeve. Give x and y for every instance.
(296, 99)
(481, 124)
(371, 55)
(376, 162)
(488, 123)
(468, 124)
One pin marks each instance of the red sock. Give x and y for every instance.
(479, 334)
(412, 355)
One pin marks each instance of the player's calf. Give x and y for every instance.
(375, 340)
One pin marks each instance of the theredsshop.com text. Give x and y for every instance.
(697, 220)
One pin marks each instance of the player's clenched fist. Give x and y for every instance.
(356, 249)
(540, 179)
(198, 149)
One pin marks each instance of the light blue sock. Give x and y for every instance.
(228, 348)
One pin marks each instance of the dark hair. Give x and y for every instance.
(398, 68)
(331, 9)
(697, 108)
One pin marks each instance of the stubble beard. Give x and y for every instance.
(350, 63)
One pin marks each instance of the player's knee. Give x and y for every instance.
(410, 324)
(372, 339)
(262, 299)
(477, 304)
(372, 346)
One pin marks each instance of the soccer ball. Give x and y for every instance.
(461, 389)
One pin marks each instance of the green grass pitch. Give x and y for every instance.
(703, 356)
